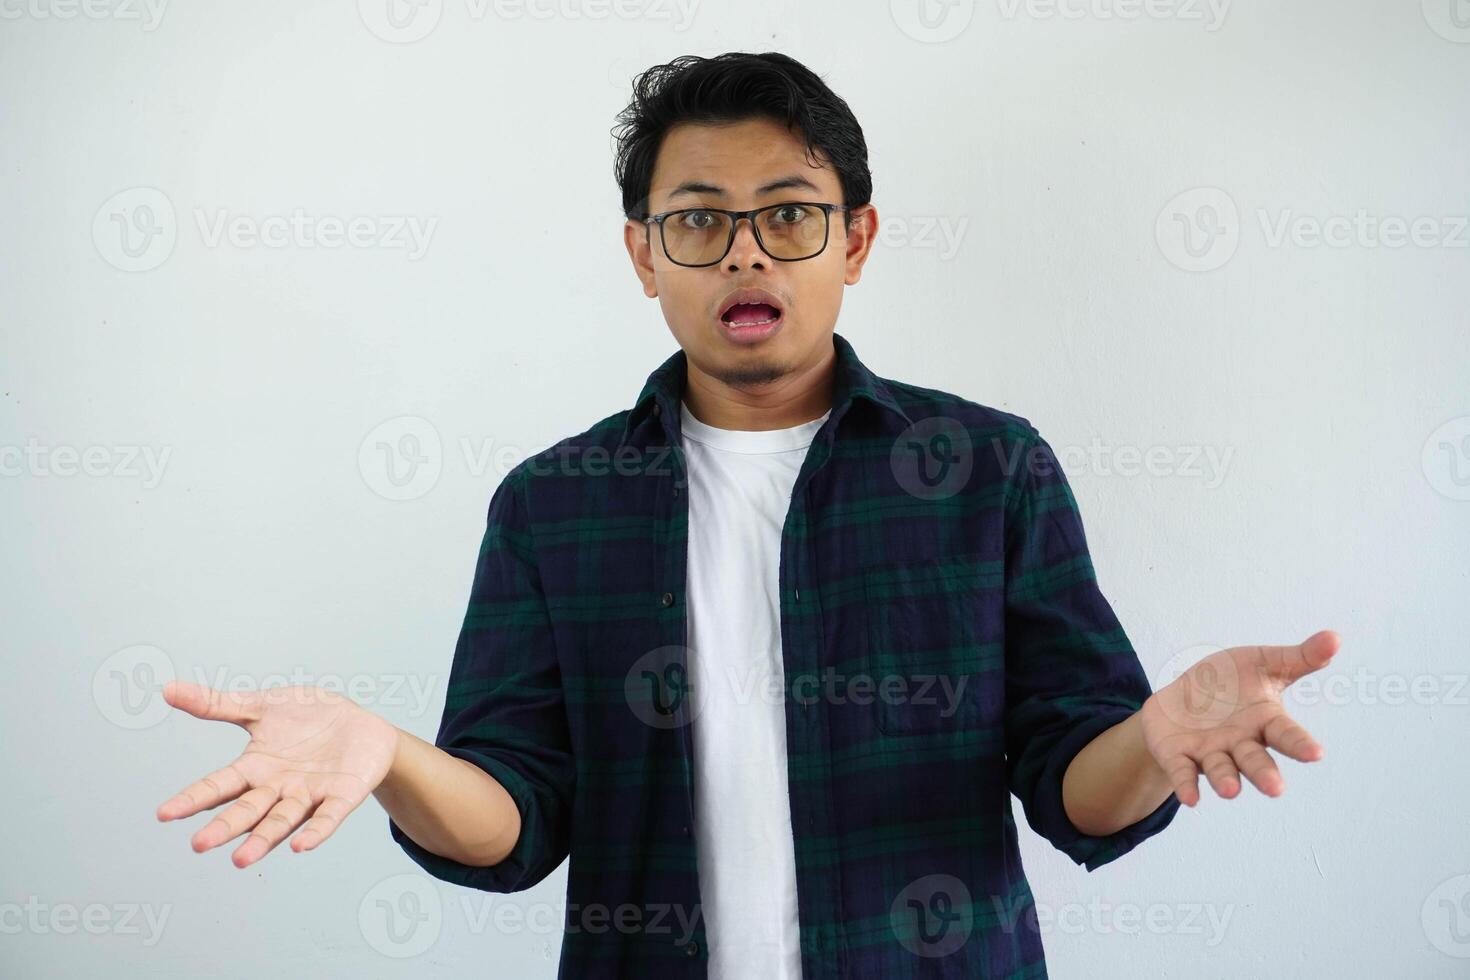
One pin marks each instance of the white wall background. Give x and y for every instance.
(1027, 159)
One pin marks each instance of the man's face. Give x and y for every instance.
(749, 164)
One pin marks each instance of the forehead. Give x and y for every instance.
(740, 159)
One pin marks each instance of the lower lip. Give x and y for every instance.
(752, 333)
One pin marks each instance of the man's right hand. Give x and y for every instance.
(312, 754)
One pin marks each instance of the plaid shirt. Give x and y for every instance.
(945, 645)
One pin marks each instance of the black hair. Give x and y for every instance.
(730, 88)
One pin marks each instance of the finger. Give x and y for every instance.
(1220, 770)
(1184, 777)
(212, 704)
(1291, 739)
(206, 794)
(1257, 765)
(284, 817)
(1291, 663)
(246, 813)
(328, 818)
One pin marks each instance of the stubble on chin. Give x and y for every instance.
(748, 375)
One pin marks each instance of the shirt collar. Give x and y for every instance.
(664, 389)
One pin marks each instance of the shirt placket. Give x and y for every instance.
(818, 877)
(672, 558)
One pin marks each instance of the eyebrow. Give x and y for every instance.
(784, 183)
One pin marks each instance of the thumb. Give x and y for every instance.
(211, 704)
(1292, 663)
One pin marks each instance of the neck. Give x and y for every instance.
(797, 396)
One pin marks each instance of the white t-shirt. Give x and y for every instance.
(739, 492)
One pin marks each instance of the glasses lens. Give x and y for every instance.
(793, 231)
(696, 237)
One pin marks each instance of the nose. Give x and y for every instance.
(745, 252)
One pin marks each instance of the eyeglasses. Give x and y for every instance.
(787, 232)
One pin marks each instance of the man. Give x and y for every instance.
(766, 653)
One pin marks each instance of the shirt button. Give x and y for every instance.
(668, 599)
(655, 408)
(692, 949)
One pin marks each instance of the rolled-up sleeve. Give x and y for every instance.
(503, 707)
(1071, 671)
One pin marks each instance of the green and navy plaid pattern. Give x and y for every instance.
(945, 645)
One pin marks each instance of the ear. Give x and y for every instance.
(860, 238)
(637, 238)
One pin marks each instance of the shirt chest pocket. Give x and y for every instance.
(934, 634)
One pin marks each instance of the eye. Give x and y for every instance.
(698, 220)
(790, 214)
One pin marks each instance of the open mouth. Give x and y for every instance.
(750, 314)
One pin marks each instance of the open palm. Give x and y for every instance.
(312, 754)
(1220, 715)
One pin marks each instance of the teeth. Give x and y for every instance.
(753, 323)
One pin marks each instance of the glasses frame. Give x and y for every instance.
(749, 215)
